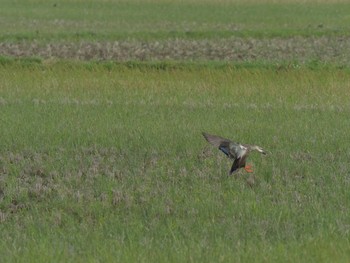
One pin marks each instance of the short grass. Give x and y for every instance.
(110, 20)
(107, 163)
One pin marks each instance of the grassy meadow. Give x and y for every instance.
(104, 161)
(109, 164)
(66, 20)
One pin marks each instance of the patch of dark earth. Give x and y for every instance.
(300, 49)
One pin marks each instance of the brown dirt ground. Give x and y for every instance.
(300, 49)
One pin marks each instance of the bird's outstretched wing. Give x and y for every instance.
(228, 147)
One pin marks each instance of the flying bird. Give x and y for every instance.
(235, 151)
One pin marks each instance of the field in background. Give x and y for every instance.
(47, 21)
(102, 105)
(233, 31)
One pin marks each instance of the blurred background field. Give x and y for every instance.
(102, 105)
(239, 31)
(47, 21)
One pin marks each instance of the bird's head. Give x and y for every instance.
(259, 149)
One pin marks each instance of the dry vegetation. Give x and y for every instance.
(302, 49)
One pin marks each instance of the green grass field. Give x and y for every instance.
(104, 161)
(160, 19)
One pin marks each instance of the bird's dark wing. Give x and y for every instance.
(225, 149)
(228, 147)
(215, 140)
(238, 163)
(235, 166)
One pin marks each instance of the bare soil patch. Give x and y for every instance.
(301, 49)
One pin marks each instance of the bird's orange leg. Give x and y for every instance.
(248, 168)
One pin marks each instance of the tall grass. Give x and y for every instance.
(108, 164)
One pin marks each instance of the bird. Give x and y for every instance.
(235, 151)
